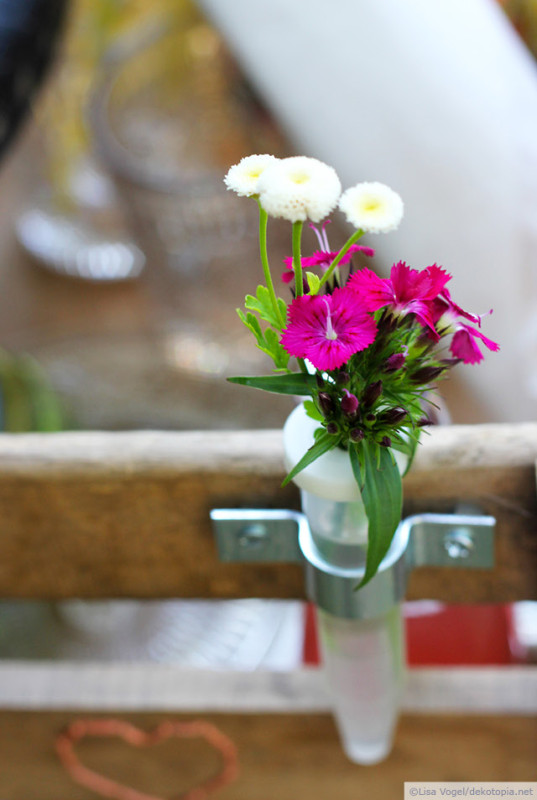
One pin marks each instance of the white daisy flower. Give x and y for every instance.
(372, 207)
(299, 188)
(243, 177)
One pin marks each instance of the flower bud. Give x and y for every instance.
(423, 421)
(342, 377)
(356, 434)
(426, 374)
(332, 428)
(386, 441)
(395, 362)
(372, 393)
(349, 403)
(393, 416)
(371, 418)
(326, 402)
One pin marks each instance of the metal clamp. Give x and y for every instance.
(254, 535)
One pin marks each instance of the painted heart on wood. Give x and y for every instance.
(106, 787)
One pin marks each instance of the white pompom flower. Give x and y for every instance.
(372, 207)
(299, 188)
(243, 178)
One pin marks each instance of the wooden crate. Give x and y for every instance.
(127, 515)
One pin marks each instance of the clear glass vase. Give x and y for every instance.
(364, 664)
(361, 632)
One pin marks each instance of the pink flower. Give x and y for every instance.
(328, 329)
(406, 291)
(324, 256)
(323, 259)
(446, 315)
(464, 345)
(443, 306)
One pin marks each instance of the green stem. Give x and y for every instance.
(263, 222)
(297, 262)
(348, 244)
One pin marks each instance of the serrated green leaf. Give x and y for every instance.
(253, 324)
(312, 411)
(382, 494)
(294, 383)
(262, 304)
(324, 443)
(275, 349)
(246, 319)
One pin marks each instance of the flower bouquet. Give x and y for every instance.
(366, 350)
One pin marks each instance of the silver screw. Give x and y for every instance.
(459, 544)
(253, 536)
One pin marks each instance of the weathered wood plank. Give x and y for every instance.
(127, 514)
(285, 756)
(135, 686)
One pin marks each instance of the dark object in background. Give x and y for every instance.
(29, 30)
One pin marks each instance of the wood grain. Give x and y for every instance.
(127, 514)
(284, 756)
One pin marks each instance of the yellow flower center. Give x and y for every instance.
(300, 177)
(371, 204)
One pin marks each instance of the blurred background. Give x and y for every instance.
(123, 259)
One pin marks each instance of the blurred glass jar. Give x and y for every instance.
(171, 114)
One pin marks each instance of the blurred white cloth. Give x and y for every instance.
(439, 101)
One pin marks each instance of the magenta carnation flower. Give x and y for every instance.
(406, 291)
(446, 315)
(444, 306)
(328, 329)
(323, 259)
(464, 345)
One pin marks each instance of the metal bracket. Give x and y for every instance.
(257, 535)
(435, 540)
(263, 536)
(451, 540)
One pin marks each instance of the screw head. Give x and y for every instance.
(252, 536)
(458, 544)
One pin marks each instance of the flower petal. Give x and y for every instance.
(328, 329)
(373, 291)
(464, 345)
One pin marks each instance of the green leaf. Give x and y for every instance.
(313, 282)
(407, 445)
(268, 341)
(278, 354)
(383, 499)
(252, 323)
(312, 411)
(324, 443)
(27, 401)
(16, 405)
(46, 410)
(262, 304)
(355, 451)
(298, 383)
